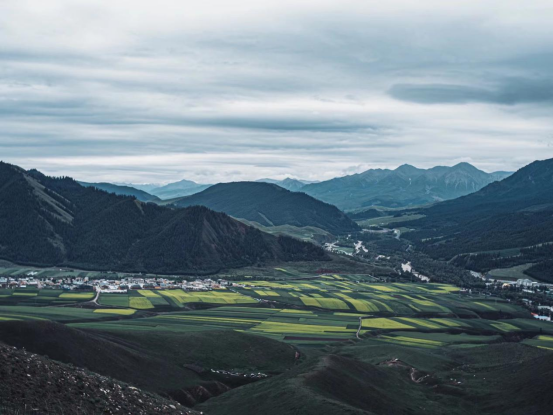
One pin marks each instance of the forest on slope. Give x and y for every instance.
(56, 221)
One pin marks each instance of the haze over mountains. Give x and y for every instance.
(294, 185)
(167, 191)
(178, 189)
(270, 205)
(401, 187)
(404, 186)
(188, 187)
(53, 221)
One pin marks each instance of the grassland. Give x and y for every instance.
(513, 273)
(306, 233)
(541, 341)
(387, 220)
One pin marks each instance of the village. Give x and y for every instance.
(105, 285)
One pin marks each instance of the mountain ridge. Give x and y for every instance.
(405, 186)
(515, 212)
(56, 221)
(270, 205)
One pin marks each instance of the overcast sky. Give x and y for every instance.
(157, 91)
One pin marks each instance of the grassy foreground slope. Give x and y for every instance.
(366, 378)
(172, 364)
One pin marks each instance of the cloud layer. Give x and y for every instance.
(159, 91)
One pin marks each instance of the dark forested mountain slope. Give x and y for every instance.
(515, 212)
(123, 191)
(55, 221)
(404, 186)
(271, 205)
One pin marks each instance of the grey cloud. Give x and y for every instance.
(509, 92)
(282, 91)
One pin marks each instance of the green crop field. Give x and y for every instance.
(166, 300)
(180, 297)
(36, 297)
(60, 314)
(446, 325)
(333, 293)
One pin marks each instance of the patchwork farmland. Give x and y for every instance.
(383, 299)
(305, 313)
(293, 326)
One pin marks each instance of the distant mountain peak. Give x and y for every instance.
(464, 166)
(406, 167)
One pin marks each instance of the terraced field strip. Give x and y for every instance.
(42, 297)
(140, 303)
(180, 297)
(443, 325)
(61, 314)
(328, 303)
(116, 300)
(116, 311)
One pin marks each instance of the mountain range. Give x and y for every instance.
(516, 212)
(165, 191)
(178, 189)
(404, 186)
(56, 221)
(188, 187)
(270, 205)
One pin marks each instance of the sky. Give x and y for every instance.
(215, 91)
